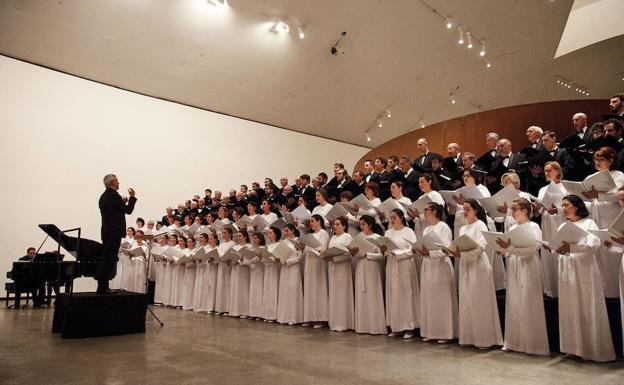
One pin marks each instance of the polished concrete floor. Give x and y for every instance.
(201, 349)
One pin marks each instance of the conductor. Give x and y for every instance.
(113, 209)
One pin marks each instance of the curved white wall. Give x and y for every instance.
(62, 134)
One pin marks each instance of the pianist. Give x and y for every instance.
(113, 209)
(37, 290)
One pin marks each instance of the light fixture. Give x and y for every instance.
(388, 113)
(452, 98)
(482, 52)
(461, 36)
(301, 34)
(281, 26)
(487, 63)
(379, 123)
(449, 23)
(422, 123)
(217, 2)
(367, 136)
(469, 39)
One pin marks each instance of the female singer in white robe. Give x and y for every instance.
(604, 209)
(270, 287)
(340, 279)
(169, 268)
(315, 296)
(138, 267)
(370, 314)
(267, 215)
(256, 279)
(179, 272)
(552, 218)
(513, 179)
(190, 273)
(396, 190)
(583, 321)
(618, 244)
(371, 192)
(199, 301)
(525, 321)
(222, 294)
(438, 292)
(290, 298)
(160, 266)
(479, 324)
(323, 206)
(402, 288)
(222, 215)
(122, 277)
(470, 178)
(239, 284)
(212, 270)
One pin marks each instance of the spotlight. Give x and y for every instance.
(452, 98)
(367, 135)
(217, 2)
(487, 63)
(469, 38)
(449, 25)
(379, 123)
(482, 52)
(461, 36)
(422, 123)
(388, 113)
(301, 34)
(281, 26)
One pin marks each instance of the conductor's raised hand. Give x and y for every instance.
(131, 191)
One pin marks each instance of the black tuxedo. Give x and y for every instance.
(424, 161)
(113, 211)
(410, 185)
(486, 159)
(517, 162)
(335, 190)
(307, 193)
(384, 180)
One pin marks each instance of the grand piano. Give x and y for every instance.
(49, 269)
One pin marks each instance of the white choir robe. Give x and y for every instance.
(239, 288)
(190, 274)
(420, 223)
(402, 288)
(210, 285)
(375, 202)
(583, 320)
(127, 278)
(122, 261)
(525, 321)
(603, 211)
(199, 302)
(139, 273)
(479, 323)
(438, 292)
(222, 293)
(290, 298)
(340, 279)
(621, 270)
(168, 283)
(270, 285)
(322, 211)
(315, 295)
(256, 281)
(159, 289)
(179, 274)
(549, 260)
(370, 314)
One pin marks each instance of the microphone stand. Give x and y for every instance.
(149, 239)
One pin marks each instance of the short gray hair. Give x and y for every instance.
(108, 180)
(536, 129)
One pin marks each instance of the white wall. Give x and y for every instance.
(61, 135)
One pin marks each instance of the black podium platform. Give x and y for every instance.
(81, 315)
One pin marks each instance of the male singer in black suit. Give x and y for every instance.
(411, 188)
(424, 160)
(113, 209)
(505, 162)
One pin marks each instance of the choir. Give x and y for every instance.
(411, 246)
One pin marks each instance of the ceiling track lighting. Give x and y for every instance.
(388, 113)
(570, 85)
(379, 123)
(367, 136)
(301, 33)
(449, 23)
(460, 41)
(468, 40)
(487, 63)
(452, 98)
(482, 52)
(421, 123)
(282, 26)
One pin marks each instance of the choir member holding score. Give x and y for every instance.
(402, 289)
(370, 315)
(583, 321)
(315, 299)
(479, 324)
(438, 292)
(224, 273)
(270, 287)
(290, 298)
(256, 278)
(340, 279)
(239, 281)
(525, 321)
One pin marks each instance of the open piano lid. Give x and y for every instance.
(85, 251)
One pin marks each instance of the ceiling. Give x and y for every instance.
(398, 53)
